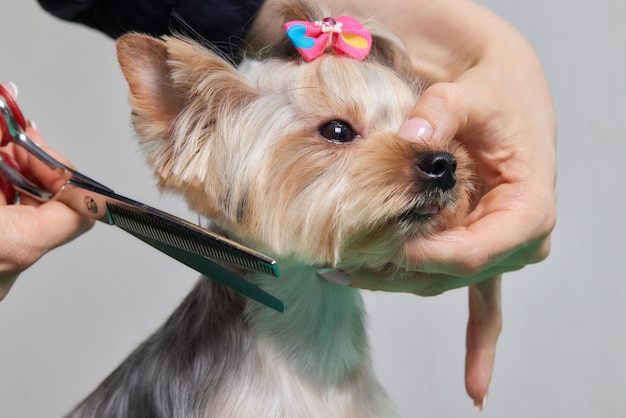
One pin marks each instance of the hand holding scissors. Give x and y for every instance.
(198, 248)
(29, 230)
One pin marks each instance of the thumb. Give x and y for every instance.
(439, 114)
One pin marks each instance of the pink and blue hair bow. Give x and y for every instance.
(346, 35)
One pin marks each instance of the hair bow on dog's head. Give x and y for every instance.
(345, 34)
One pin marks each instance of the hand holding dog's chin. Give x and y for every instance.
(488, 90)
(491, 94)
(496, 101)
(30, 229)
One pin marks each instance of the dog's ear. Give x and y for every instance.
(166, 75)
(154, 99)
(179, 89)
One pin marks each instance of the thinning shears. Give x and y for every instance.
(196, 247)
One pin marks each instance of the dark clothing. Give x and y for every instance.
(223, 23)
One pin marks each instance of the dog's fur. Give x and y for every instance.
(243, 146)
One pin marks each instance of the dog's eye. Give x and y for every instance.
(337, 131)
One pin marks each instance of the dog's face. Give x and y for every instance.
(298, 159)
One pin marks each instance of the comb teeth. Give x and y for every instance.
(190, 238)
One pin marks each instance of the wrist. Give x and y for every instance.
(446, 38)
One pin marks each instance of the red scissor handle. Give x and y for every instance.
(5, 186)
(17, 113)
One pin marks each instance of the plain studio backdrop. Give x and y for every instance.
(79, 311)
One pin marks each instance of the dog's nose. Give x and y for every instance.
(438, 169)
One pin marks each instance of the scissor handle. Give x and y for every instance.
(17, 114)
(5, 185)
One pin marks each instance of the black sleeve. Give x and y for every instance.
(224, 23)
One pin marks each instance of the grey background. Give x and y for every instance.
(75, 315)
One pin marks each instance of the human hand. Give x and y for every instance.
(490, 93)
(487, 90)
(31, 228)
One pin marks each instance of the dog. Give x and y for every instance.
(299, 159)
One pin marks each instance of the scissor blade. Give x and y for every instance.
(216, 272)
(145, 221)
(156, 225)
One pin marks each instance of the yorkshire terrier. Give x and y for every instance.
(296, 154)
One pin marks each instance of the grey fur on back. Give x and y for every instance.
(172, 373)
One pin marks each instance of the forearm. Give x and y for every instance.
(444, 38)
(221, 22)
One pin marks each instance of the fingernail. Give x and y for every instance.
(416, 129)
(11, 87)
(31, 123)
(335, 276)
(481, 405)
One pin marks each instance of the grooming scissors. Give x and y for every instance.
(190, 244)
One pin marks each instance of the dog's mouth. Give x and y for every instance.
(425, 209)
(420, 214)
(428, 210)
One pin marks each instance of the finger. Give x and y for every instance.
(472, 251)
(35, 169)
(403, 281)
(47, 225)
(483, 329)
(504, 223)
(62, 224)
(445, 111)
(438, 114)
(31, 231)
(395, 279)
